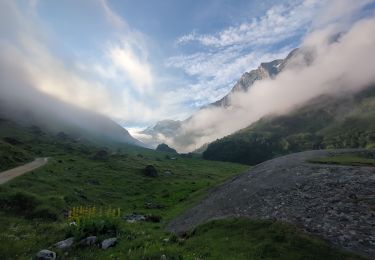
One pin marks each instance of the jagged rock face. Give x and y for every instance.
(266, 70)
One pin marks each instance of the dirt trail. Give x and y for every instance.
(6, 176)
(333, 202)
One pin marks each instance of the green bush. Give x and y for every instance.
(19, 202)
(27, 205)
(45, 212)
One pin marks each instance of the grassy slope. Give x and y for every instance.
(73, 178)
(351, 159)
(325, 122)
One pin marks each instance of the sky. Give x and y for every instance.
(144, 61)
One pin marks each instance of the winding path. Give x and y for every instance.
(8, 175)
(336, 203)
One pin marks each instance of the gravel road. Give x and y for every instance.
(336, 203)
(6, 176)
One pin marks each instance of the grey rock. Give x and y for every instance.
(109, 242)
(163, 257)
(327, 201)
(64, 244)
(88, 241)
(132, 218)
(46, 255)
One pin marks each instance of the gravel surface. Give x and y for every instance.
(6, 176)
(334, 202)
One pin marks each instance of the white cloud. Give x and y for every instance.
(138, 70)
(112, 16)
(279, 23)
(237, 49)
(339, 67)
(117, 82)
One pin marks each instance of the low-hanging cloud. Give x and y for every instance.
(340, 65)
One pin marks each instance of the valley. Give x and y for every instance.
(187, 130)
(35, 205)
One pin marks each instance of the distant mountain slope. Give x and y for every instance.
(170, 129)
(347, 121)
(53, 115)
(266, 70)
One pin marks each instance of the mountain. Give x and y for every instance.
(53, 115)
(266, 70)
(167, 128)
(160, 132)
(170, 130)
(325, 122)
(165, 148)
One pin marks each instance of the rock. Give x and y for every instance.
(109, 242)
(163, 257)
(65, 243)
(46, 255)
(150, 171)
(135, 218)
(168, 173)
(152, 205)
(88, 241)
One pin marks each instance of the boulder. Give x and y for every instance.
(150, 171)
(64, 244)
(109, 242)
(46, 255)
(132, 218)
(88, 241)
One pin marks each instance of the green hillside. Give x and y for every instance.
(325, 122)
(34, 207)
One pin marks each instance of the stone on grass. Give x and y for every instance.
(109, 242)
(64, 244)
(132, 218)
(88, 241)
(46, 255)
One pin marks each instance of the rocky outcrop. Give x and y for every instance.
(64, 244)
(109, 242)
(333, 202)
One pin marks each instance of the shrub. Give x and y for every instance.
(45, 212)
(19, 202)
(28, 205)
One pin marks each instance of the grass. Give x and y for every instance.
(249, 239)
(35, 206)
(351, 159)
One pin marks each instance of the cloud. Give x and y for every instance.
(341, 66)
(118, 82)
(280, 22)
(137, 69)
(112, 16)
(225, 55)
